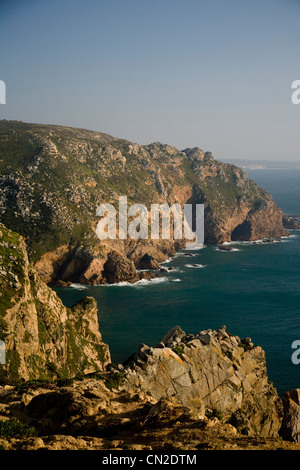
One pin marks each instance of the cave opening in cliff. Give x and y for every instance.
(241, 232)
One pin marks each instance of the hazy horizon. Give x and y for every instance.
(188, 73)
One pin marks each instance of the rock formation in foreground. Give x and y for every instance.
(212, 371)
(43, 338)
(52, 179)
(290, 429)
(190, 392)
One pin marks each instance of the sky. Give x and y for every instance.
(212, 74)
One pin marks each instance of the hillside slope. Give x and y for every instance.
(52, 179)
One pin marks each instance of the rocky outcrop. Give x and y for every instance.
(290, 222)
(148, 262)
(210, 372)
(208, 390)
(70, 264)
(264, 221)
(290, 429)
(117, 269)
(190, 392)
(103, 412)
(43, 338)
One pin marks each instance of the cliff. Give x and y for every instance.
(52, 179)
(43, 339)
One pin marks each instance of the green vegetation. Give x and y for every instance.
(13, 364)
(178, 350)
(213, 413)
(246, 347)
(13, 428)
(3, 329)
(12, 273)
(114, 381)
(191, 377)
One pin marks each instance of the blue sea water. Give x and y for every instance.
(254, 290)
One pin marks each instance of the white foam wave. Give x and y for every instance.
(228, 251)
(173, 270)
(196, 265)
(195, 248)
(78, 286)
(141, 282)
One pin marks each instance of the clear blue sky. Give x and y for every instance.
(215, 74)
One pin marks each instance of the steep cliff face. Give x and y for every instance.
(53, 178)
(43, 339)
(235, 207)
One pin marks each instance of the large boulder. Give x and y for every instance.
(148, 262)
(118, 268)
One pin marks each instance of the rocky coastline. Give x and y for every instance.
(58, 387)
(50, 193)
(60, 391)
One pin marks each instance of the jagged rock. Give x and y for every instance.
(147, 275)
(211, 369)
(118, 268)
(225, 248)
(290, 429)
(173, 336)
(290, 222)
(204, 338)
(148, 262)
(257, 223)
(215, 396)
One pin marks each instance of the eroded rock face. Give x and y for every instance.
(148, 262)
(290, 429)
(118, 268)
(260, 223)
(290, 222)
(69, 264)
(212, 370)
(43, 338)
(105, 412)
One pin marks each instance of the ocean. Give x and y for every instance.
(254, 290)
